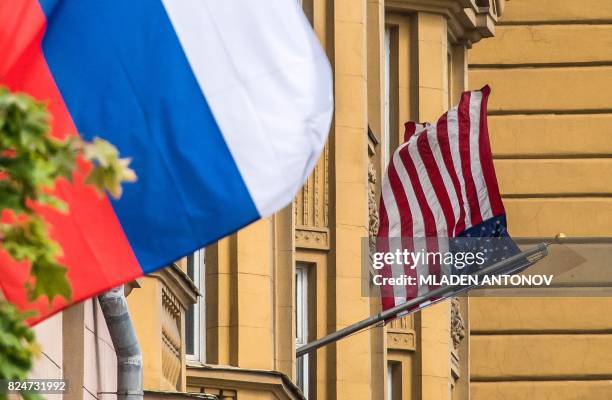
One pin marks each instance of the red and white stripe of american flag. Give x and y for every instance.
(440, 182)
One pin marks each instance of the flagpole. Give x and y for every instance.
(512, 264)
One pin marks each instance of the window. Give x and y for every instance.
(396, 70)
(389, 381)
(301, 325)
(394, 380)
(387, 133)
(449, 77)
(194, 319)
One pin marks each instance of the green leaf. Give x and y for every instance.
(17, 345)
(50, 280)
(29, 240)
(54, 202)
(100, 151)
(31, 162)
(109, 171)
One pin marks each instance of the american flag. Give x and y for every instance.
(440, 184)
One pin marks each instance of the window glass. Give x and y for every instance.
(387, 136)
(389, 381)
(194, 330)
(301, 322)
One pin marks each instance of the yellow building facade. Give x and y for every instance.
(226, 321)
(550, 67)
(296, 276)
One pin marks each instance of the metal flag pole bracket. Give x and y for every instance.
(510, 265)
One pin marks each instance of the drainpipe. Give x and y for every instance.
(129, 357)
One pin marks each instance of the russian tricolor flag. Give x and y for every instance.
(223, 106)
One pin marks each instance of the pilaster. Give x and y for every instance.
(351, 377)
(433, 323)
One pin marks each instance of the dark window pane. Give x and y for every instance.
(190, 330)
(300, 374)
(191, 266)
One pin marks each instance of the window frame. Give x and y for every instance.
(199, 330)
(387, 151)
(394, 380)
(389, 381)
(301, 326)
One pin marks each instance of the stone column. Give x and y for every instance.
(239, 320)
(284, 291)
(433, 343)
(376, 122)
(218, 303)
(348, 194)
(251, 317)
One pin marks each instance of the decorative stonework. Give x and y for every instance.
(373, 220)
(311, 238)
(171, 338)
(163, 299)
(457, 324)
(401, 335)
(311, 208)
(326, 186)
(458, 333)
(221, 394)
(401, 324)
(401, 341)
(311, 203)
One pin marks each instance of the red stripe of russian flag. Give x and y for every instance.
(95, 248)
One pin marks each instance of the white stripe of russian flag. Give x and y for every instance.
(268, 84)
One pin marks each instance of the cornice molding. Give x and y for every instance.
(179, 284)
(227, 377)
(468, 20)
(400, 339)
(164, 395)
(311, 238)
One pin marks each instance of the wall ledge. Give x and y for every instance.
(469, 21)
(178, 283)
(234, 378)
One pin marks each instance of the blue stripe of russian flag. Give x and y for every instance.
(223, 107)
